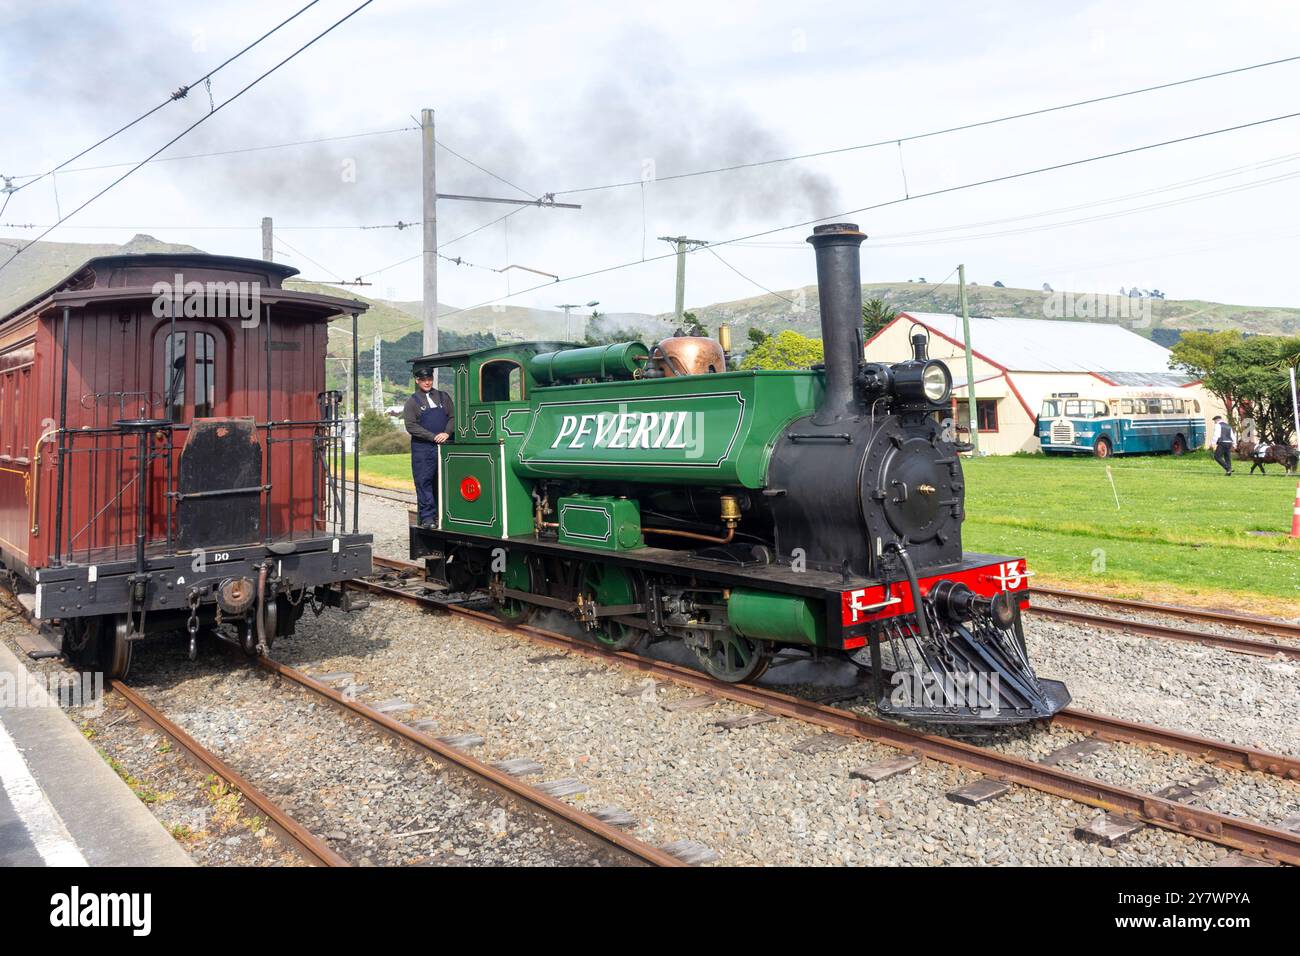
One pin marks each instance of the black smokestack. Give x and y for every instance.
(839, 290)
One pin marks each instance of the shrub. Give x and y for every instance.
(392, 441)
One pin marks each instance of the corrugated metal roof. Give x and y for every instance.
(1053, 345)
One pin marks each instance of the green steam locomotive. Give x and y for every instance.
(650, 494)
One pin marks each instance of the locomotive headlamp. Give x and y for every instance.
(936, 382)
(922, 382)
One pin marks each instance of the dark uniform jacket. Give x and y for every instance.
(417, 403)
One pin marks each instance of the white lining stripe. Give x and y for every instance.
(39, 818)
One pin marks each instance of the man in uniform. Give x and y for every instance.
(430, 419)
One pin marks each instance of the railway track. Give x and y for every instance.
(1241, 645)
(311, 847)
(496, 779)
(316, 851)
(1253, 838)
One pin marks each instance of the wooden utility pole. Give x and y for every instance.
(970, 364)
(430, 189)
(682, 245)
(268, 250)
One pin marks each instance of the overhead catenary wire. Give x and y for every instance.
(946, 190)
(172, 98)
(227, 152)
(487, 171)
(747, 278)
(899, 140)
(224, 103)
(328, 271)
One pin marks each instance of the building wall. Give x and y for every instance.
(1015, 430)
(1018, 395)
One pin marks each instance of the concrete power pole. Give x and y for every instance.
(682, 245)
(970, 365)
(268, 252)
(377, 388)
(430, 189)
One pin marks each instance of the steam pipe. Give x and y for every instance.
(839, 292)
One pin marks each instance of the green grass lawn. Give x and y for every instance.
(1179, 522)
(385, 471)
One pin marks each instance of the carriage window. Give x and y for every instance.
(7, 418)
(173, 385)
(21, 412)
(204, 374)
(501, 381)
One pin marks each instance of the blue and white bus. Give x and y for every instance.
(1119, 421)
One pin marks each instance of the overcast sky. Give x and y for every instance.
(561, 96)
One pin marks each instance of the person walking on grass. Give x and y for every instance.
(1224, 440)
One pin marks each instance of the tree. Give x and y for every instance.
(373, 423)
(1290, 353)
(1251, 370)
(692, 326)
(997, 284)
(756, 335)
(876, 314)
(785, 350)
(1198, 354)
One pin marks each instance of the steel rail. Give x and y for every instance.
(1221, 752)
(1248, 836)
(1267, 625)
(1241, 645)
(497, 778)
(312, 848)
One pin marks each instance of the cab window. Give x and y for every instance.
(501, 381)
(1050, 409)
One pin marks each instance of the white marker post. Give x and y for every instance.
(1295, 407)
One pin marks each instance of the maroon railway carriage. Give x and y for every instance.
(169, 455)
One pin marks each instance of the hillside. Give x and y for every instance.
(772, 314)
(40, 267)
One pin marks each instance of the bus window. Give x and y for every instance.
(1100, 410)
(1166, 406)
(1126, 406)
(1050, 409)
(1153, 406)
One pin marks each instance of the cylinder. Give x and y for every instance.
(839, 292)
(765, 615)
(619, 360)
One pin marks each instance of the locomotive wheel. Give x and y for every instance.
(115, 646)
(518, 576)
(730, 657)
(607, 585)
